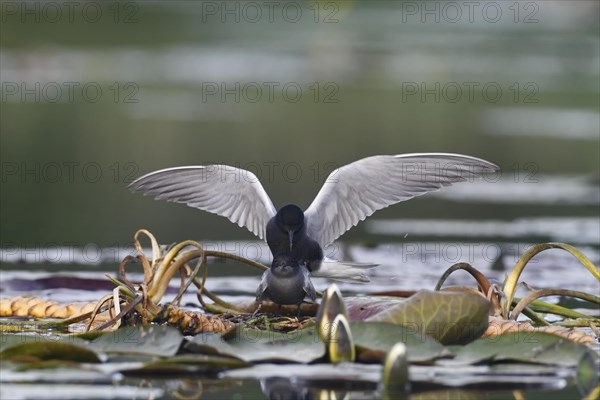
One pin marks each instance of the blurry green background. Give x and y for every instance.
(355, 63)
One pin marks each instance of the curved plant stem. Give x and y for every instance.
(160, 282)
(511, 282)
(124, 311)
(123, 288)
(220, 254)
(153, 242)
(543, 307)
(187, 284)
(532, 315)
(481, 279)
(489, 290)
(525, 301)
(594, 394)
(166, 264)
(214, 297)
(104, 300)
(576, 323)
(200, 285)
(121, 272)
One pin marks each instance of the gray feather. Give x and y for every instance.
(219, 189)
(355, 191)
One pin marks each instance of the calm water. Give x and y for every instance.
(93, 99)
(89, 106)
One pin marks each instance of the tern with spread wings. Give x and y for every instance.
(297, 238)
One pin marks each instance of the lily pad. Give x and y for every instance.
(9, 340)
(361, 308)
(375, 339)
(153, 340)
(301, 346)
(36, 351)
(451, 317)
(535, 347)
(188, 363)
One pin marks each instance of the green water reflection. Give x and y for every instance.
(65, 164)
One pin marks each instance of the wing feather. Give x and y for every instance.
(219, 189)
(355, 191)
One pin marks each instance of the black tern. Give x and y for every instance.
(350, 194)
(282, 281)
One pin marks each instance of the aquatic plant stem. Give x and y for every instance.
(220, 254)
(510, 285)
(481, 279)
(543, 307)
(525, 301)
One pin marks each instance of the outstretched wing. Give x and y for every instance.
(355, 191)
(219, 189)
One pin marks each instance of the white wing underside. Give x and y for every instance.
(350, 194)
(355, 191)
(219, 189)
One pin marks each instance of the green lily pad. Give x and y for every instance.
(189, 363)
(301, 346)
(32, 351)
(375, 339)
(451, 317)
(535, 347)
(11, 339)
(153, 340)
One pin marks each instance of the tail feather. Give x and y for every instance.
(343, 271)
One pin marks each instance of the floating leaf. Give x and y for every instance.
(451, 317)
(9, 340)
(537, 347)
(154, 340)
(250, 345)
(188, 363)
(361, 308)
(31, 351)
(376, 339)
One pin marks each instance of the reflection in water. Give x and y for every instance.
(572, 230)
(279, 388)
(523, 184)
(402, 84)
(283, 389)
(408, 265)
(544, 122)
(373, 54)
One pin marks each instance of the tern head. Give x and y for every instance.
(290, 219)
(284, 266)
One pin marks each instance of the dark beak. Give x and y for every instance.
(291, 237)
